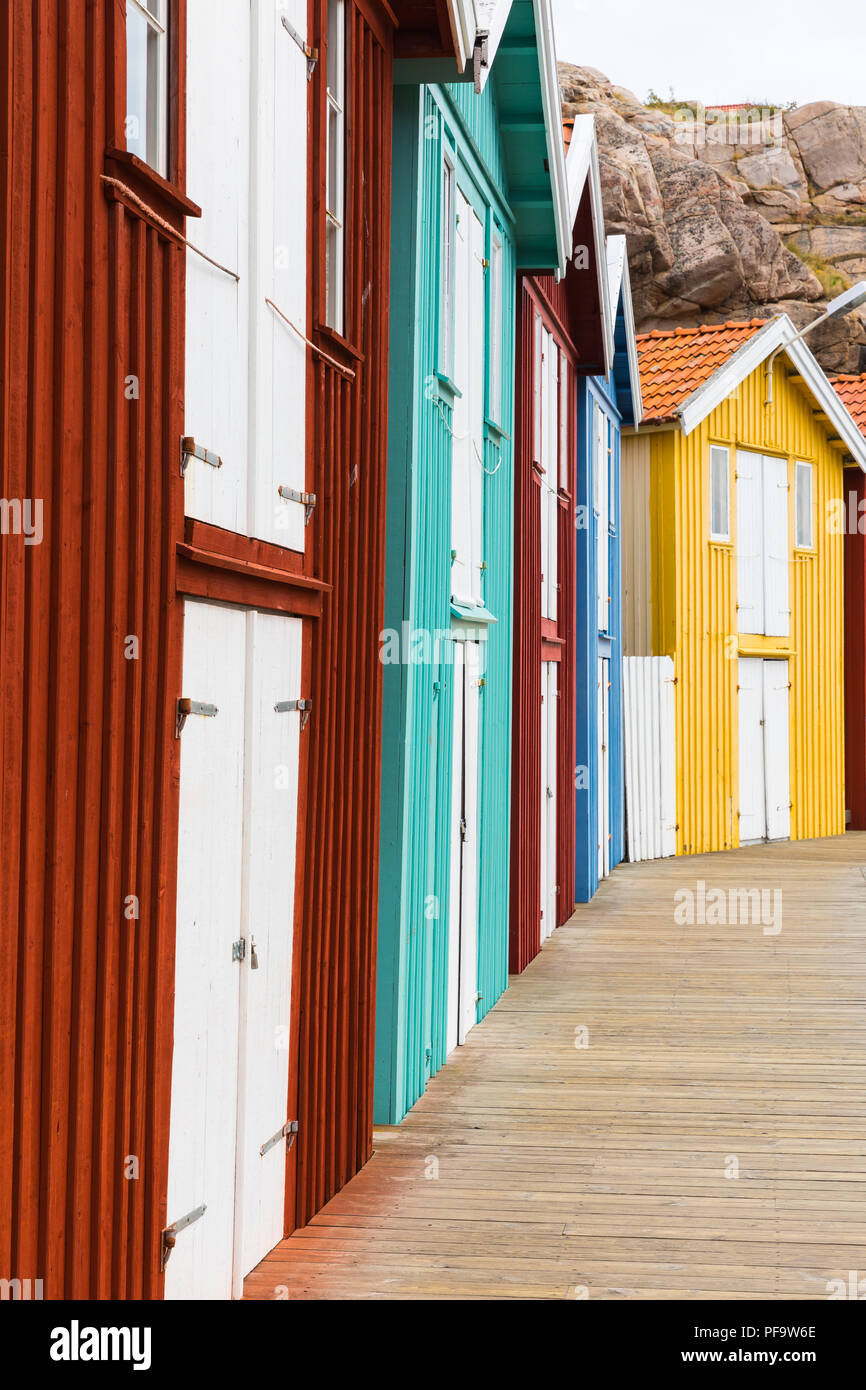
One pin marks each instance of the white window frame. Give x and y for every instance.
(804, 470)
(538, 341)
(335, 169)
(494, 405)
(718, 452)
(152, 144)
(564, 381)
(449, 260)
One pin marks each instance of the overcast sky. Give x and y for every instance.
(722, 51)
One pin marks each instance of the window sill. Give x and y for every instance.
(451, 389)
(805, 552)
(718, 544)
(494, 429)
(341, 347)
(148, 184)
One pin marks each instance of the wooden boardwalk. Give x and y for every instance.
(534, 1168)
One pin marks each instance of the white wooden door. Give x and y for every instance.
(549, 674)
(750, 542)
(217, 305)
(775, 547)
(776, 749)
(463, 892)
(602, 516)
(467, 474)
(752, 789)
(549, 480)
(603, 767)
(236, 878)
(201, 1164)
(269, 854)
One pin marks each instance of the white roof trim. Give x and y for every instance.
(779, 333)
(461, 16)
(620, 289)
(490, 18)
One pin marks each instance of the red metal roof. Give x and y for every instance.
(675, 362)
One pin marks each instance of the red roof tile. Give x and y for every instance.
(675, 362)
(852, 392)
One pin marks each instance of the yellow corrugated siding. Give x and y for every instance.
(705, 642)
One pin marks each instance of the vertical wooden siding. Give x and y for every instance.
(93, 292)
(525, 940)
(346, 461)
(854, 493)
(701, 591)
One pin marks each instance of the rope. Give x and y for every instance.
(166, 226)
(347, 371)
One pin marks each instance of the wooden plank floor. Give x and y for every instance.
(533, 1168)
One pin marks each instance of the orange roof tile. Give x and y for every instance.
(852, 392)
(675, 362)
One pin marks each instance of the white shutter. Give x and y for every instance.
(551, 463)
(270, 826)
(452, 1025)
(201, 1161)
(750, 546)
(549, 675)
(461, 445)
(776, 749)
(752, 792)
(278, 261)
(217, 359)
(477, 382)
(469, 907)
(602, 517)
(776, 598)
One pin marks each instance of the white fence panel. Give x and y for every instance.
(650, 756)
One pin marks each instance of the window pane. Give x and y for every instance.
(804, 504)
(147, 82)
(537, 388)
(719, 522)
(335, 196)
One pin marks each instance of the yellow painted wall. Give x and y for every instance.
(694, 616)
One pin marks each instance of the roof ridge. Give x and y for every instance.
(693, 331)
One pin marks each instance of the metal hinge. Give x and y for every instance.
(190, 450)
(462, 828)
(479, 57)
(170, 1234)
(289, 1131)
(306, 499)
(288, 706)
(239, 948)
(311, 54)
(187, 707)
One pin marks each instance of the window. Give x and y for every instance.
(720, 520)
(449, 231)
(803, 496)
(495, 403)
(335, 204)
(537, 392)
(147, 82)
(563, 421)
(611, 477)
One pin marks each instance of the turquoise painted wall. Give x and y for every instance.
(418, 691)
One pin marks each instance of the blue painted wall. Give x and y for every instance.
(591, 645)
